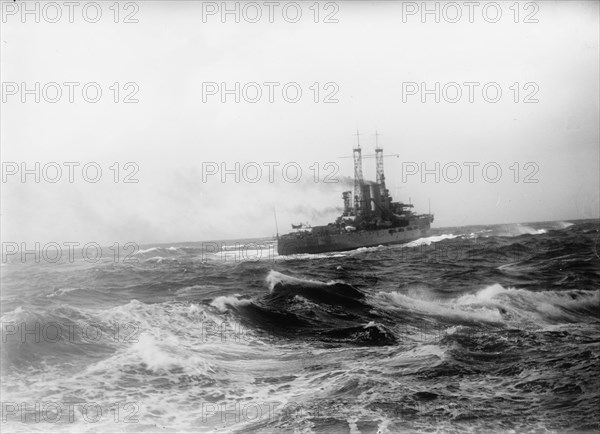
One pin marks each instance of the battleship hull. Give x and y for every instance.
(295, 243)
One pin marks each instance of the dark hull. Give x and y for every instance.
(296, 243)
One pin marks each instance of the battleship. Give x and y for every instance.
(370, 218)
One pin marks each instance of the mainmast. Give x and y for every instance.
(276, 225)
(358, 174)
(379, 163)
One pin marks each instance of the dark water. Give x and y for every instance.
(482, 329)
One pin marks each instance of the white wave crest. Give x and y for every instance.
(142, 251)
(495, 304)
(442, 308)
(61, 291)
(428, 240)
(155, 354)
(232, 300)
(515, 230)
(275, 277)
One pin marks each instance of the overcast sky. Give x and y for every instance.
(174, 50)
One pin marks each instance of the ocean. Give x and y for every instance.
(472, 329)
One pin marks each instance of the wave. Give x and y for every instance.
(222, 302)
(250, 246)
(154, 354)
(144, 251)
(61, 291)
(561, 225)
(426, 241)
(275, 278)
(426, 306)
(514, 230)
(546, 306)
(331, 311)
(508, 306)
(36, 336)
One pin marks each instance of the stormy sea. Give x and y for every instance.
(472, 329)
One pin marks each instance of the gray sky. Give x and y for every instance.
(368, 55)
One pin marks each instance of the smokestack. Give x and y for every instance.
(347, 195)
(376, 191)
(366, 199)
